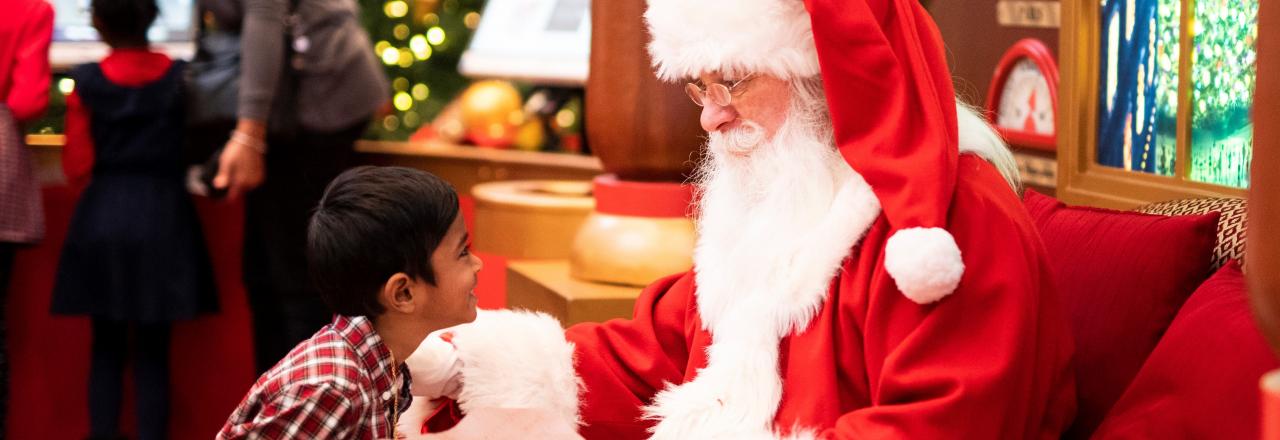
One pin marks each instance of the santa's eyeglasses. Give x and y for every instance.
(717, 93)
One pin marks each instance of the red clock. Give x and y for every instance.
(1023, 97)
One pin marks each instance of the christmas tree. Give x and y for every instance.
(419, 42)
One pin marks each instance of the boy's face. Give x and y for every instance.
(452, 300)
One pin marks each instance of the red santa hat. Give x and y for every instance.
(888, 90)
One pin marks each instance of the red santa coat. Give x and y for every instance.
(991, 361)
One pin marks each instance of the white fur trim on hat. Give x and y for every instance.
(733, 37)
(924, 262)
(516, 359)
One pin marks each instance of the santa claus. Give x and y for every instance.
(864, 268)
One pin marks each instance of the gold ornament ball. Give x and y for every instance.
(530, 136)
(486, 104)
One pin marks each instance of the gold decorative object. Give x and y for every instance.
(545, 285)
(631, 250)
(529, 218)
(491, 111)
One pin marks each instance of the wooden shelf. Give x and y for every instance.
(546, 286)
(453, 151)
(463, 166)
(46, 140)
(466, 167)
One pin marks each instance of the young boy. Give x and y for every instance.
(391, 257)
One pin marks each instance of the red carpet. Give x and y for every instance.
(211, 357)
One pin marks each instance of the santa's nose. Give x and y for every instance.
(716, 117)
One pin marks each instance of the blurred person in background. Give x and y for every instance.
(135, 257)
(25, 29)
(308, 88)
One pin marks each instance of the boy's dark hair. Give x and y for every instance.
(125, 20)
(371, 223)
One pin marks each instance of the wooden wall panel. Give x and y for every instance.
(975, 41)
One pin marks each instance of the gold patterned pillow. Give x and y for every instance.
(1231, 222)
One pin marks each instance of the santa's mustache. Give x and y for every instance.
(739, 141)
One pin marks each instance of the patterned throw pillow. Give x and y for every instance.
(1231, 223)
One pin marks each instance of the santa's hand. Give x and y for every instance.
(435, 368)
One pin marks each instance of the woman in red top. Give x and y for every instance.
(25, 29)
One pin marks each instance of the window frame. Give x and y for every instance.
(1081, 179)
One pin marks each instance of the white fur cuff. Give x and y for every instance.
(924, 262)
(517, 359)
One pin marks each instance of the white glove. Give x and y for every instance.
(435, 368)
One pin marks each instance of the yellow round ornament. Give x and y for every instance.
(487, 107)
(530, 136)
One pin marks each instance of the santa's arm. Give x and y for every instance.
(989, 361)
(515, 359)
(623, 363)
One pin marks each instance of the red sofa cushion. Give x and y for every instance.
(1202, 379)
(1123, 276)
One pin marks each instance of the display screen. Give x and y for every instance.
(1139, 88)
(73, 21)
(542, 41)
(1138, 85)
(1223, 71)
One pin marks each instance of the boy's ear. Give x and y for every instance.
(397, 293)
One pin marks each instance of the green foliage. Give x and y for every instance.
(419, 43)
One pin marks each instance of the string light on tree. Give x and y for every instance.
(418, 44)
(421, 42)
(66, 86)
(396, 8)
(391, 56)
(402, 101)
(435, 35)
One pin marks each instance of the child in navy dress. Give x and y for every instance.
(134, 257)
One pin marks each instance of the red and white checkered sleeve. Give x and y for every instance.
(306, 410)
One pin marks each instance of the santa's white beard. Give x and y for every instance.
(757, 196)
(760, 204)
(775, 220)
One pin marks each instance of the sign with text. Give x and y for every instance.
(1035, 14)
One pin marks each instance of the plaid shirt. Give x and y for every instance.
(336, 385)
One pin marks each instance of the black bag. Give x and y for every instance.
(213, 84)
(213, 80)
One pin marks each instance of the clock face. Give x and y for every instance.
(1025, 103)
